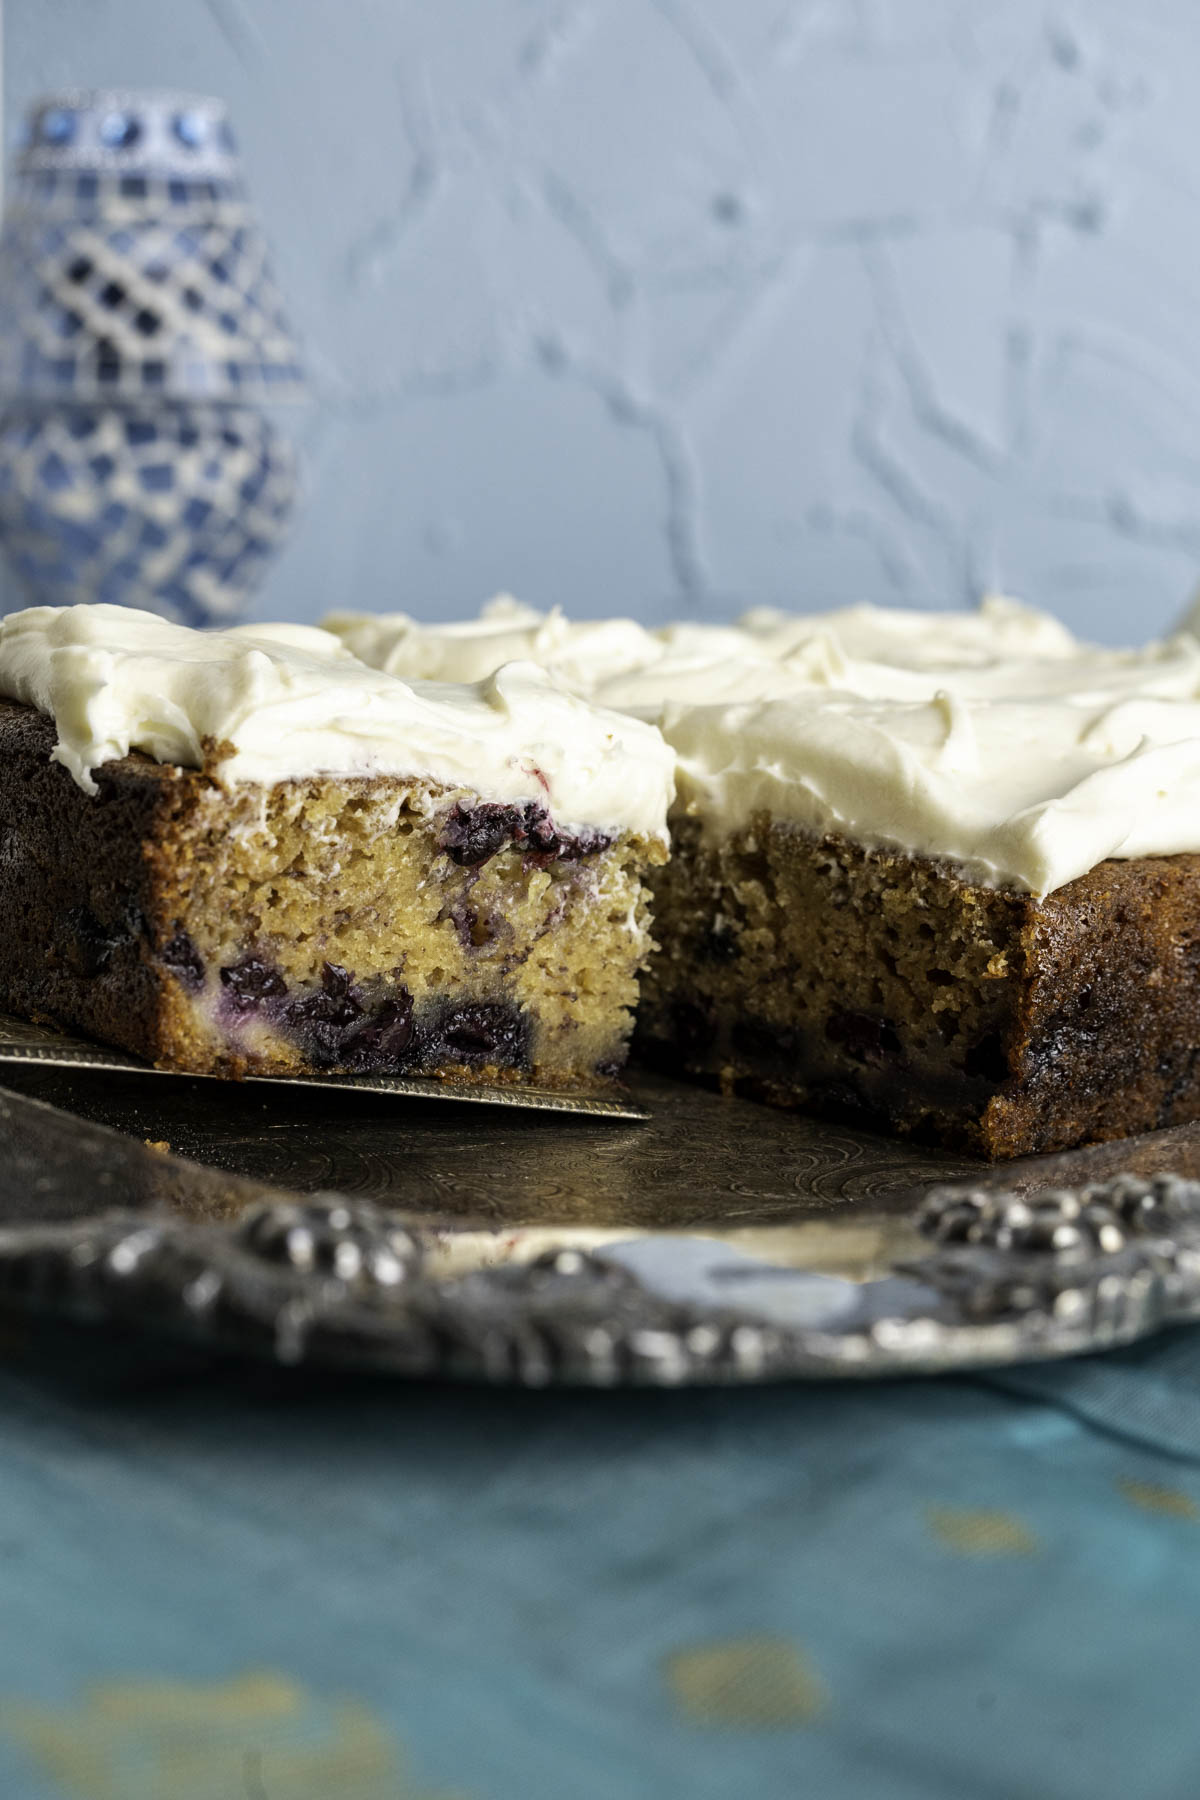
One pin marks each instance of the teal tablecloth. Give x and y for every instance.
(955, 1590)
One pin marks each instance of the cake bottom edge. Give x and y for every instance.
(1003, 1125)
(338, 1029)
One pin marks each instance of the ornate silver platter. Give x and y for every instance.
(717, 1242)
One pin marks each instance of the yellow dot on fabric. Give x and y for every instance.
(1152, 1497)
(257, 1734)
(751, 1683)
(981, 1532)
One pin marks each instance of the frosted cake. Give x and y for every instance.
(934, 872)
(247, 852)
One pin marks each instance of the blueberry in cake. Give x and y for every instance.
(246, 852)
(939, 873)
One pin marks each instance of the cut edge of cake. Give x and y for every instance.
(347, 925)
(886, 990)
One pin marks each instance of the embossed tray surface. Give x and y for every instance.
(22, 1042)
(718, 1241)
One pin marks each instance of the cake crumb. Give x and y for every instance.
(159, 1144)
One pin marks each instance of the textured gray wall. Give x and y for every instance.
(667, 305)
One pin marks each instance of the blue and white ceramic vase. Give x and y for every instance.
(140, 336)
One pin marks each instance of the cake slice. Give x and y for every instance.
(246, 852)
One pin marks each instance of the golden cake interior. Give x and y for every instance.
(358, 926)
(885, 989)
(518, 963)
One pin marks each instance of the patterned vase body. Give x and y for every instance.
(175, 507)
(139, 327)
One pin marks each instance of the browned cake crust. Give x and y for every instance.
(354, 926)
(882, 988)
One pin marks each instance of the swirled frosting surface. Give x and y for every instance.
(993, 740)
(580, 652)
(270, 703)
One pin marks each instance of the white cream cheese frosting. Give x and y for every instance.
(1013, 791)
(999, 626)
(269, 703)
(821, 663)
(581, 653)
(993, 740)
(589, 654)
(767, 654)
(1022, 771)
